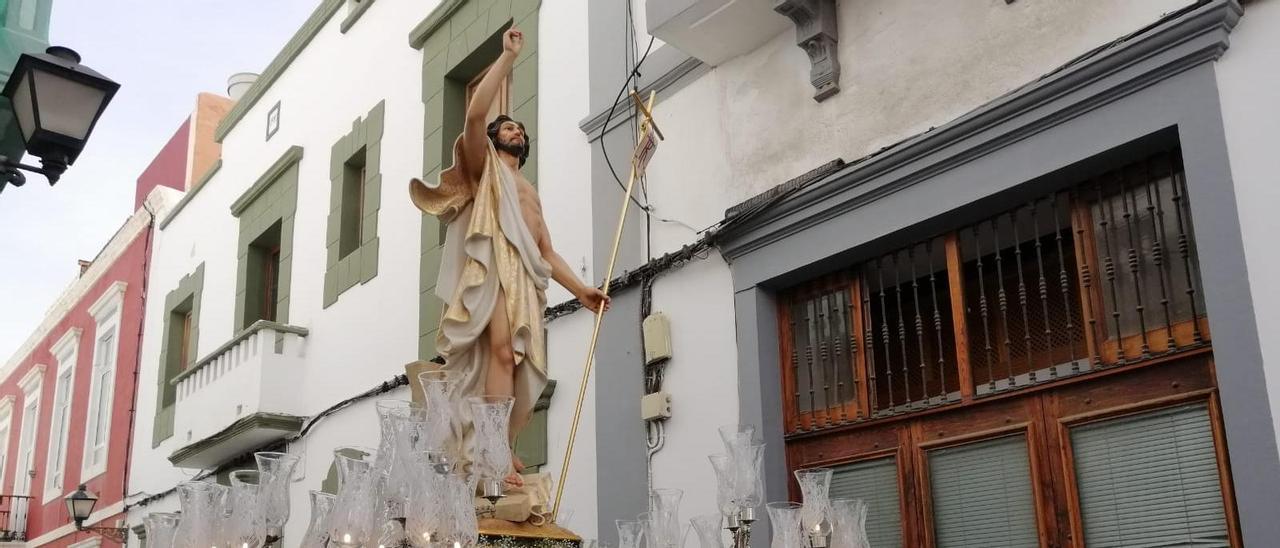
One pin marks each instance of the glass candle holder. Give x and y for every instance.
(349, 522)
(160, 528)
(491, 416)
(630, 533)
(201, 504)
(279, 469)
(815, 516)
(246, 526)
(784, 517)
(439, 410)
(318, 528)
(707, 527)
(849, 529)
(664, 510)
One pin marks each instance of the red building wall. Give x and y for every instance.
(168, 168)
(48, 515)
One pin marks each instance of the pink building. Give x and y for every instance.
(67, 394)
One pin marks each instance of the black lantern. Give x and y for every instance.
(56, 102)
(80, 504)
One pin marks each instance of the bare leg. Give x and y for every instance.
(501, 378)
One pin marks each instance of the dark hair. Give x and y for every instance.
(496, 124)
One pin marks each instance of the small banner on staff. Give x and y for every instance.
(644, 149)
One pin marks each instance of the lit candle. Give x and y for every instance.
(346, 538)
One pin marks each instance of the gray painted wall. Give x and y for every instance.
(621, 467)
(1163, 79)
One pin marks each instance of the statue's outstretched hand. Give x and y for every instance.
(593, 298)
(513, 40)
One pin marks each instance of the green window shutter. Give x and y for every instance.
(1150, 480)
(876, 483)
(982, 495)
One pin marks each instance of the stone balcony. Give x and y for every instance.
(241, 396)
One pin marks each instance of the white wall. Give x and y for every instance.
(359, 341)
(564, 166)
(1247, 80)
(701, 378)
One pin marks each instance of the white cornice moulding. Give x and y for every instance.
(31, 381)
(68, 341)
(113, 295)
(158, 202)
(6, 410)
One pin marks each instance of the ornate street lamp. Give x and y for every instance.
(80, 504)
(56, 102)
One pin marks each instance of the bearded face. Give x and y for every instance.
(511, 139)
(509, 136)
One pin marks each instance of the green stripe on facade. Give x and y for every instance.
(300, 39)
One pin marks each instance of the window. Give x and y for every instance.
(273, 120)
(353, 196)
(31, 384)
(6, 424)
(186, 353)
(1098, 275)
(59, 434)
(981, 494)
(100, 401)
(987, 377)
(876, 483)
(501, 102)
(1150, 479)
(177, 350)
(65, 351)
(263, 289)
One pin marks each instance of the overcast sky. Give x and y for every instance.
(162, 52)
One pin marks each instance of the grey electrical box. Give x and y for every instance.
(657, 338)
(655, 406)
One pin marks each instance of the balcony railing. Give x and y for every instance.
(1097, 276)
(242, 394)
(13, 517)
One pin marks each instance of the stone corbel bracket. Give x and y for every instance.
(817, 35)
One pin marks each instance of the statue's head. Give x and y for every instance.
(508, 136)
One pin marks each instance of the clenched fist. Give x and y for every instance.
(513, 40)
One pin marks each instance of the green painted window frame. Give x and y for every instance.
(458, 39)
(185, 299)
(359, 265)
(271, 202)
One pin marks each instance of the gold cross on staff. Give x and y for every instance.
(642, 140)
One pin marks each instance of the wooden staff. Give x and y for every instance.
(647, 111)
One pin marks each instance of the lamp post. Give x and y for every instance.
(80, 504)
(56, 102)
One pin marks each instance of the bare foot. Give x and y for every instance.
(515, 479)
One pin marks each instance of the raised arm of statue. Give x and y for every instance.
(475, 142)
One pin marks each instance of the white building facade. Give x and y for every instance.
(298, 275)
